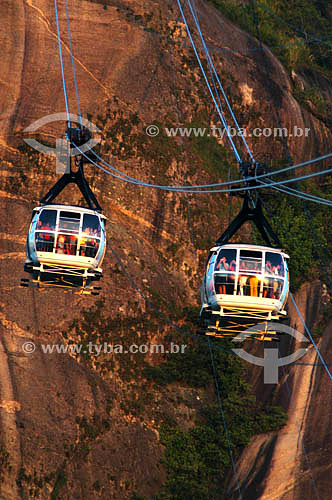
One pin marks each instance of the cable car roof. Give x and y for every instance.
(73, 208)
(250, 247)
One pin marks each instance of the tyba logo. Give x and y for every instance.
(62, 150)
(271, 360)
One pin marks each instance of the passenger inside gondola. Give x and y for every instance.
(253, 282)
(89, 247)
(44, 242)
(49, 242)
(66, 245)
(272, 288)
(274, 264)
(47, 220)
(61, 244)
(274, 267)
(250, 269)
(243, 285)
(226, 258)
(91, 225)
(71, 244)
(268, 267)
(225, 282)
(230, 287)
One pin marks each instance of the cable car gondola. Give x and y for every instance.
(66, 243)
(245, 285)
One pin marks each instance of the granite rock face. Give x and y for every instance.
(296, 461)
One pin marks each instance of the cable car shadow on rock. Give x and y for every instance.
(245, 286)
(66, 243)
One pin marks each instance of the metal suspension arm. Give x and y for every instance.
(78, 179)
(257, 216)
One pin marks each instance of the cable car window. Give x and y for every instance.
(44, 242)
(47, 220)
(69, 222)
(71, 245)
(89, 247)
(91, 225)
(66, 245)
(272, 288)
(226, 260)
(250, 261)
(224, 283)
(274, 264)
(250, 284)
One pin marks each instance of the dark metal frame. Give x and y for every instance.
(78, 179)
(255, 214)
(77, 137)
(251, 210)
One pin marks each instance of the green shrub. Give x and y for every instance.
(298, 32)
(197, 461)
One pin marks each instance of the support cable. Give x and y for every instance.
(224, 421)
(73, 63)
(61, 61)
(310, 336)
(236, 153)
(314, 485)
(200, 186)
(78, 103)
(299, 194)
(189, 189)
(195, 17)
(133, 179)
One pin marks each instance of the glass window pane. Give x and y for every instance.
(44, 242)
(226, 260)
(224, 283)
(272, 288)
(66, 244)
(89, 247)
(69, 222)
(250, 285)
(91, 225)
(250, 261)
(274, 264)
(47, 220)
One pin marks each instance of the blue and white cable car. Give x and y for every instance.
(66, 243)
(245, 285)
(245, 282)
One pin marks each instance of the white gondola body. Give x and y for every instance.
(245, 281)
(66, 240)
